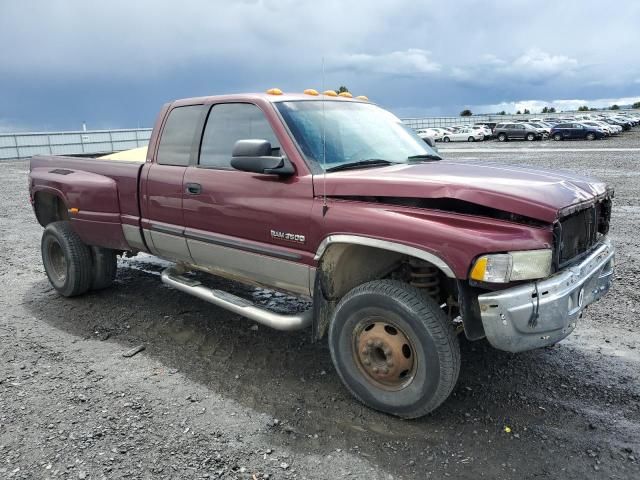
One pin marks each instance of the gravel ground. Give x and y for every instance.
(215, 396)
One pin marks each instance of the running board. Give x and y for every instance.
(236, 304)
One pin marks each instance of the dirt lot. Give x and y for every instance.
(214, 396)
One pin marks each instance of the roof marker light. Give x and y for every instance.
(311, 91)
(274, 91)
(362, 97)
(345, 94)
(330, 93)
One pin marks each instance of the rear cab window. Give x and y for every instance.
(178, 135)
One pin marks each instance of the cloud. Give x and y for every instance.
(539, 63)
(536, 106)
(116, 62)
(412, 62)
(532, 67)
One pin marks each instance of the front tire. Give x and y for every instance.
(531, 137)
(66, 259)
(471, 139)
(446, 139)
(394, 348)
(502, 137)
(557, 137)
(591, 136)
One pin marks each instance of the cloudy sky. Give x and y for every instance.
(112, 63)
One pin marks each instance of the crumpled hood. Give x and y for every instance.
(531, 192)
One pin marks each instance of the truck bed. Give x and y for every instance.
(99, 195)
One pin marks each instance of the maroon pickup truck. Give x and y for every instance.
(334, 199)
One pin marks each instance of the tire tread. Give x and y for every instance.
(436, 323)
(80, 273)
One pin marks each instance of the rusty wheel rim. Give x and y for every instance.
(57, 262)
(384, 354)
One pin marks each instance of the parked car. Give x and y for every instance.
(623, 125)
(432, 133)
(614, 126)
(443, 131)
(516, 131)
(464, 134)
(630, 117)
(605, 127)
(389, 247)
(489, 125)
(626, 122)
(573, 131)
(486, 131)
(540, 127)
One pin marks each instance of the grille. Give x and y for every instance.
(578, 232)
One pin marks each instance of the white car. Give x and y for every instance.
(464, 134)
(616, 128)
(605, 127)
(443, 131)
(486, 131)
(429, 133)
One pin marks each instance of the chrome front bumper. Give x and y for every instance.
(509, 316)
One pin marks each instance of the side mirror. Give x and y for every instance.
(255, 156)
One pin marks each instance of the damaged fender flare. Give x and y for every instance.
(385, 245)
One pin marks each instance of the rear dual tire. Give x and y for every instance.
(394, 348)
(73, 267)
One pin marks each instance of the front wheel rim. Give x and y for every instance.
(384, 354)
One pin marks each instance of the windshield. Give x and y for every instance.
(354, 132)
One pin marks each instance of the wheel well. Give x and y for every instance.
(345, 266)
(49, 208)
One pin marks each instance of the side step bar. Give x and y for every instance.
(236, 304)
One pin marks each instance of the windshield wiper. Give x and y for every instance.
(425, 156)
(372, 162)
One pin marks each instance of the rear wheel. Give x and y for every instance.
(105, 265)
(66, 259)
(394, 348)
(557, 137)
(502, 137)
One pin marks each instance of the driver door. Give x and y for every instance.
(236, 223)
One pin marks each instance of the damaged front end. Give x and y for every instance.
(540, 313)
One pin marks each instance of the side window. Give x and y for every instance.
(228, 123)
(178, 134)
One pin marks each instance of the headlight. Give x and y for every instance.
(512, 266)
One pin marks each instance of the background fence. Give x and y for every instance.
(93, 142)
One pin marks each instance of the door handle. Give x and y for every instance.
(194, 188)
